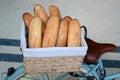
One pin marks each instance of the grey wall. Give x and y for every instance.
(102, 17)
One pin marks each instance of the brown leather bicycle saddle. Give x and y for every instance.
(95, 50)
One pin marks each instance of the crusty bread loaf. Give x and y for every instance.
(35, 33)
(27, 17)
(74, 36)
(54, 11)
(63, 33)
(40, 12)
(51, 32)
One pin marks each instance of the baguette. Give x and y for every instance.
(54, 11)
(74, 36)
(63, 33)
(40, 12)
(51, 32)
(35, 33)
(27, 17)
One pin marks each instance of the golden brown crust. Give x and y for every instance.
(40, 12)
(27, 17)
(68, 18)
(74, 36)
(54, 11)
(63, 33)
(51, 32)
(35, 33)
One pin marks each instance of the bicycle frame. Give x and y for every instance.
(92, 69)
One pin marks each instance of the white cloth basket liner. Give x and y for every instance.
(52, 51)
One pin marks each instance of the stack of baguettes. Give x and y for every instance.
(48, 39)
(53, 30)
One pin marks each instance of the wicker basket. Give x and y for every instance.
(53, 64)
(56, 59)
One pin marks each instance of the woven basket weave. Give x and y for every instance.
(53, 64)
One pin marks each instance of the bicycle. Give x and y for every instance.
(92, 67)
